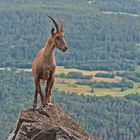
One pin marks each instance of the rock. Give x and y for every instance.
(49, 124)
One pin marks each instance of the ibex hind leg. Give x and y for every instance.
(36, 82)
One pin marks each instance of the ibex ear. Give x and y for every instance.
(52, 31)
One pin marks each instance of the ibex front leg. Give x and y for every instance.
(49, 94)
(47, 99)
(41, 96)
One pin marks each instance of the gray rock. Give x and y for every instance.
(48, 124)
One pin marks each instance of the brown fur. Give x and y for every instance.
(44, 65)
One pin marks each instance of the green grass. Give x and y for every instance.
(131, 91)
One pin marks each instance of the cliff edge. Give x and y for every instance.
(51, 124)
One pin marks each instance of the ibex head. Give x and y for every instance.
(58, 36)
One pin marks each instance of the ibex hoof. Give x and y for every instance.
(41, 107)
(50, 104)
(34, 105)
(47, 106)
(44, 105)
(34, 108)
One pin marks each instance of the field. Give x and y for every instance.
(70, 85)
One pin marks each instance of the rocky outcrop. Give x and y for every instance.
(49, 124)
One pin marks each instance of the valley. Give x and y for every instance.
(73, 84)
(99, 85)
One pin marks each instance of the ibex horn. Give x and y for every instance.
(55, 23)
(62, 26)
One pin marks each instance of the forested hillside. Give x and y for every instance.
(111, 118)
(100, 34)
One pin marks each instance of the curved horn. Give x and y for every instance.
(62, 26)
(55, 23)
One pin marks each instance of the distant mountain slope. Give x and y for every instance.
(96, 40)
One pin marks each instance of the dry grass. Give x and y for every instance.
(60, 70)
(69, 85)
(86, 90)
(73, 88)
(109, 80)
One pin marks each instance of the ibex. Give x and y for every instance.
(44, 65)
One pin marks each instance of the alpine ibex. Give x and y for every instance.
(44, 65)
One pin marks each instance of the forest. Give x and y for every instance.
(101, 35)
(112, 118)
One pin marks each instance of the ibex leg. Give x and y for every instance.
(35, 92)
(48, 90)
(41, 96)
(49, 95)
